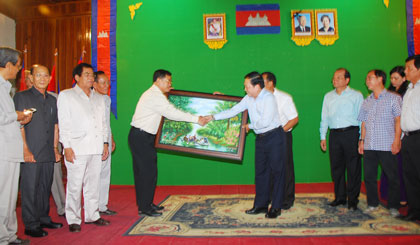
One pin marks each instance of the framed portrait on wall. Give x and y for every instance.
(326, 21)
(302, 27)
(214, 30)
(326, 26)
(222, 138)
(303, 23)
(214, 26)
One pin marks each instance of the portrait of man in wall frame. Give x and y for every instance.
(302, 26)
(214, 27)
(302, 23)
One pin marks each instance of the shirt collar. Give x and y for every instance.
(383, 92)
(411, 85)
(262, 93)
(344, 91)
(5, 84)
(37, 93)
(80, 92)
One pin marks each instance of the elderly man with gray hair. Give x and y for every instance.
(11, 146)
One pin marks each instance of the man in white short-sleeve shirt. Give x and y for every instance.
(288, 118)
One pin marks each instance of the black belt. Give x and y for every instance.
(344, 129)
(141, 130)
(412, 132)
(267, 133)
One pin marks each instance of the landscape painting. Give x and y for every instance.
(222, 138)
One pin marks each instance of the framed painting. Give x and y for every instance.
(222, 138)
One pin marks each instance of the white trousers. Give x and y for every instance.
(57, 189)
(83, 174)
(9, 182)
(105, 182)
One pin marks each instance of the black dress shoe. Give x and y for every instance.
(150, 213)
(352, 207)
(36, 232)
(156, 207)
(75, 228)
(273, 213)
(107, 212)
(20, 241)
(52, 225)
(255, 210)
(336, 202)
(99, 222)
(286, 207)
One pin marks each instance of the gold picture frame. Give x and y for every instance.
(326, 26)
(214, 26)
(302, 26)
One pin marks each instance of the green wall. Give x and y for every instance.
(169, 35)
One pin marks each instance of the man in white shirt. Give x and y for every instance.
(152, 105)
(84, 135)
(410, 149)
(288, 118)
(101, 85)
(11, 147)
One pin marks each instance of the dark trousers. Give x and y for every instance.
(389, 165)
(270, 152)
(289, 175)
(35, 187)
(384, 182)
(344, 156)
(411, 167)
(144, 166)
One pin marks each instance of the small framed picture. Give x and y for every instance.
(302, 23)
(326, 21)
(214, 27)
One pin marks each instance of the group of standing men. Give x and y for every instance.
(378, 127)
(31, 126)
(272, 114)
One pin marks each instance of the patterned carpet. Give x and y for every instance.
(223, 216)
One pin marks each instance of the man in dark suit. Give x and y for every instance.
(302, 27)
(40, 140)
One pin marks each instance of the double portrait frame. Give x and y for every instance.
(308, 24)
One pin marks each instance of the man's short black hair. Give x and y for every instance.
(346, 72)
(380, 73)
(160, 74)
(416, 59)
(97, 74)
(270, 77)
(79, 69)
(8, 55)
(255, 78)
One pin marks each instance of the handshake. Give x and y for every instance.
(203, 120)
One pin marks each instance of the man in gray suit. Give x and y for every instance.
(11, 146)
